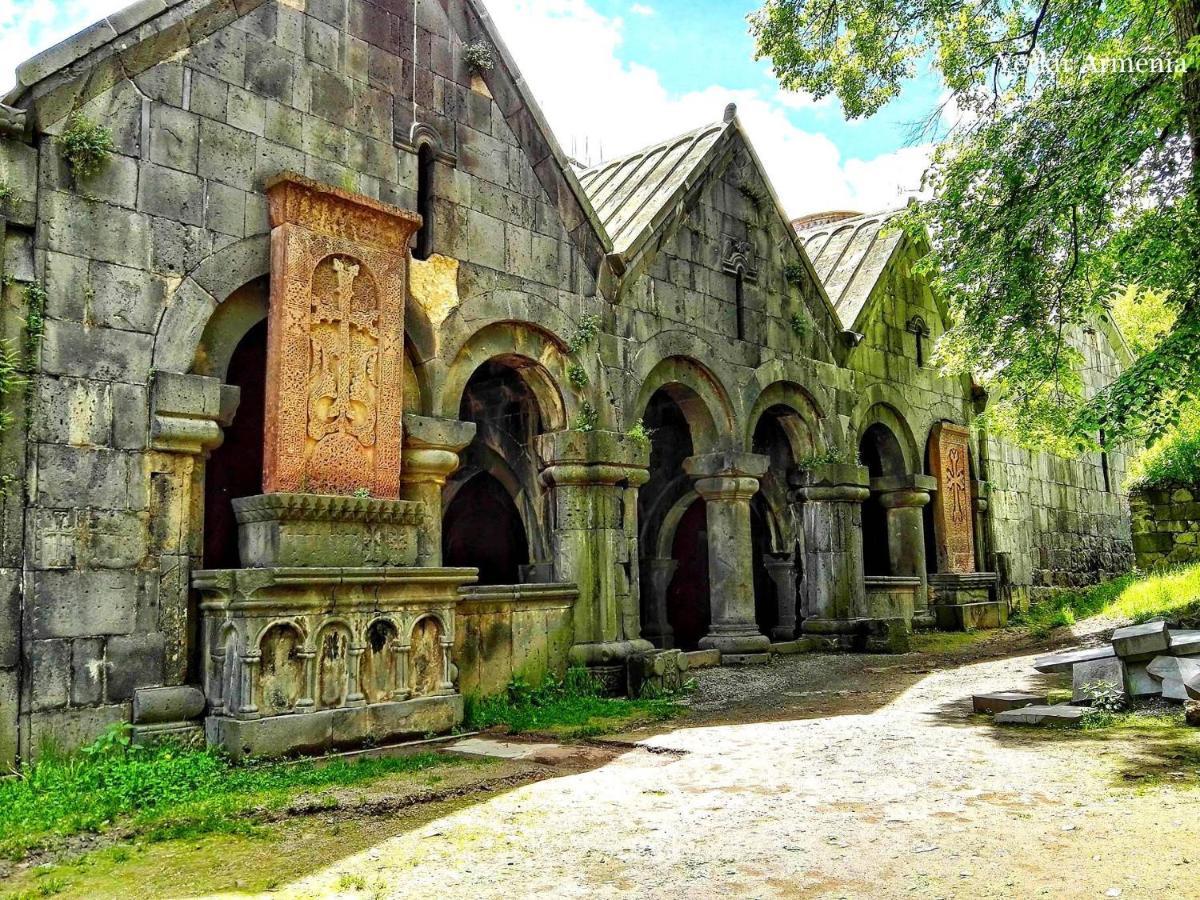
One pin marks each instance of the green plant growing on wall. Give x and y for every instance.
(479, 57)
(589, 327)
(831, 456)
(362, 493)
(577, 375)
(588, 417)
(35, 316)
(800, 323)
(86, 145)
(639, 433)
(6, 192)
(794, 273)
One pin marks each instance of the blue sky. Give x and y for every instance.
(615, 75)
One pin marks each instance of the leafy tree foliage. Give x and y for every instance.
(1070, 165)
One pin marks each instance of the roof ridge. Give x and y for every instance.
(692, 134)
(855, 221)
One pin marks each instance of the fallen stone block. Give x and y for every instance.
(703, 659)
(1141, 640)
(1191, 713)
(1065, 660)
(1059, 715)
(1184, 643)
(1174, 689)
(1003, 701)
(1192, 686)
(1096, 675)
(1139, 682)
(800, 645)
(1175, 668)
(745, 659)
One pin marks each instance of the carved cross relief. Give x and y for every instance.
(953, 510)
(335, 341)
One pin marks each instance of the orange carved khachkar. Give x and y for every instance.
(335, 340)
(953, 509)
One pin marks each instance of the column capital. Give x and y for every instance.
(593, 457)
(901, 491)
(726, 487)
(727, 464)
(832, 483)
(431, 447)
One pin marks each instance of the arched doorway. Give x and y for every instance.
(783, 436)
(492, 519)
(880, 452)
(234, 469)
(673, 529)
(483, 528)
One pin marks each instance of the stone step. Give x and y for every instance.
(745, 659)
(703, 659)
(1003, 701)
(1060, 715)
(1064, 661)
(972, 616)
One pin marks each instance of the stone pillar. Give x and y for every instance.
(782, 569)
(727, 481)
(656, 579)
(831, 511)
(904, 497)
(593, 478)
(429, 457)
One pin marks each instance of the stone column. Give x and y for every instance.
(831, 511)
(429, 457)
(593, 478)
(656, 578)
(727, 481)
(782, 569)
(904, 497)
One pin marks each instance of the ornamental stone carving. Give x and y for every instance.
(953, 515)
(335, 350)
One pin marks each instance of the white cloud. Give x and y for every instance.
(30, 26)
(567, 52)
(641, 9)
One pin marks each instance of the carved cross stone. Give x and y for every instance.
(335, 344)
(953, 513)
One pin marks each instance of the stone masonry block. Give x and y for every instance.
(128, 299)
(109, 354)
(83, 604)
(87, 671)
(72, 411)
(171, 193)
(70, 477)
(133, 661)
(226, 154)
(1141, 640)
(68, 729)
(130, 416)
(1093, 675)
(50, 673)
(96, 230)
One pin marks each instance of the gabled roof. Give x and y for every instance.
(850, 254)
(634, 193)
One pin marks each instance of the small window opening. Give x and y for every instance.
(425, 173)
(1105, 473)
(740, 300)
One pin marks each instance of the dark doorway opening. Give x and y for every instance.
(234, 469)
(687, 597)
(482, 527)
(766, 602)
(880, 453)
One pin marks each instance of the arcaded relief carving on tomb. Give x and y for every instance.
(335, 341)
(953, 511)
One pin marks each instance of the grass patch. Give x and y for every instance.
(573, 707)
(947, 641)
(164, 791)
(1173, 595)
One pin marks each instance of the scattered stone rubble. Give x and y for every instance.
(1141, 662)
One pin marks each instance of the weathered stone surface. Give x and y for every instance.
(1003, 701)
(1139, 683)
(1140, 640)
(167, 704)
(1060, 715)
(1172, 667)
(1090, 676)
(703, 659)
(1184, 642)
(1065, 660)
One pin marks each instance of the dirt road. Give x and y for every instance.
(849, 776)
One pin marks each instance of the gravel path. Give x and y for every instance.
(821, 776)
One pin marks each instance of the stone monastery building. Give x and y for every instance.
(334, 376)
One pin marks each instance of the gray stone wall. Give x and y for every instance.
(1166, 526)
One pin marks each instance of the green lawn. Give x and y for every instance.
(1173, 594)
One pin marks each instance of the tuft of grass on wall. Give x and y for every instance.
(1171, 461)
(164, 791)
(572, 707)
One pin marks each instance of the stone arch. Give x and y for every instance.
(674, 356)
(702, 398)
(427, 656)
(888, 414)
(282, 673)
(803, 426)
(536, 355)
(217, 277)
(379, 671)
(332, 646)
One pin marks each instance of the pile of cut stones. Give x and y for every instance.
(1141, 663)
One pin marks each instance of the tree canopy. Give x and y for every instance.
(1069, 168)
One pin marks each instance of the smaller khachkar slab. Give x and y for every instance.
(953, 510)
(335, 344)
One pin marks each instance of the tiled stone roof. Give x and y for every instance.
(850, 254)
(633, 194)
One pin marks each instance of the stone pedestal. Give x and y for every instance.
(429, 457)
(831, 511)
(782, 569)
(904, 498)
(726, 482)
(656, 577)
(593, 479)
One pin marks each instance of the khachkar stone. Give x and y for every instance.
(953, 517)
(335, 347)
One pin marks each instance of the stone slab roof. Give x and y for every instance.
(850, 255)
(633, 194)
